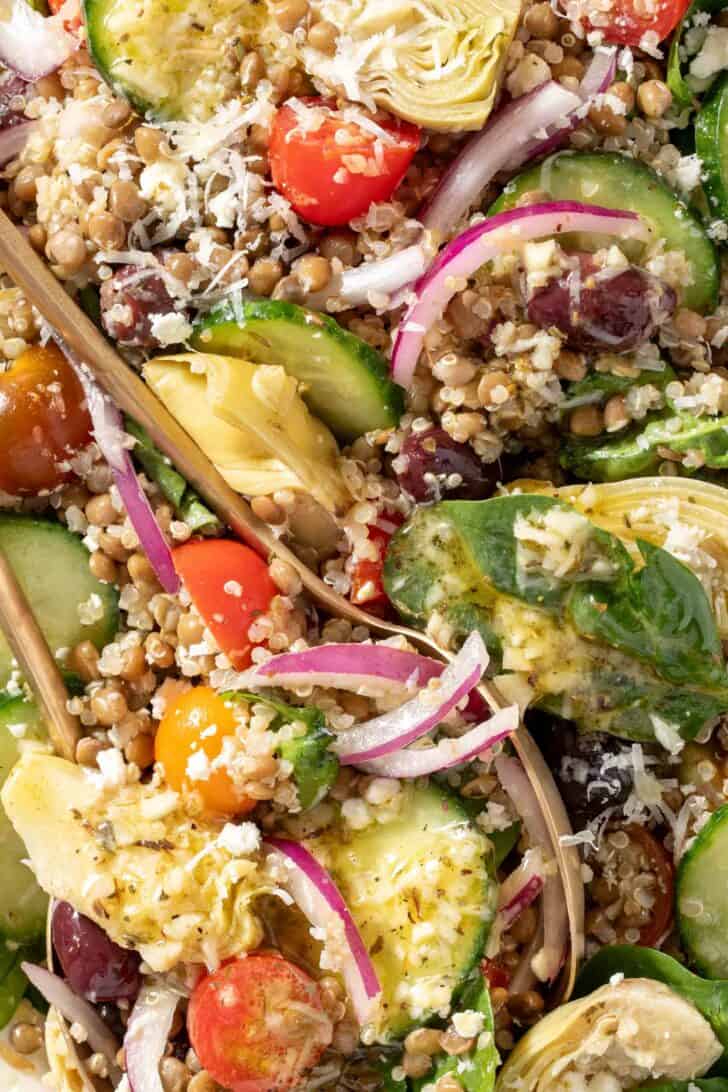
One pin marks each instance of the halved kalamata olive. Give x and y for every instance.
(433, 465)
(128, 301)
(607, 310)
(96, 968)
(586, 767)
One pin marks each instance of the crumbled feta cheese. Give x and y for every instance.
(170, 329)
(468, 1024)
(240, 839)
(198, 766)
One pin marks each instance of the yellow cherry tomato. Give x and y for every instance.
(196, 725)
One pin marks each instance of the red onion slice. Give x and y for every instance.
(500, 234)
(75, 1010)
(13, 140)
(31, 44)
(364, 669)
(520, 888)
(318, 898)
(548, 960)
(110, 436)
(393, 730)
(147, 1033)
(421, 762)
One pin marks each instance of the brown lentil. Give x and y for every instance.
(26, 1038)
(314, 272)
(615, 413)
(38, 237)
(416, 1065)
(24, 183)
(150, 143)
(84, 660)
(107, 231)
(689, 324)
(654, 98)
(108, 705)
(142, 571)
(158, 653)
(140, 750)
(174, 1075)
(423, 1041)
(67, 249)
(455, 1044)
(132, 663)
(586, 421)
(264, 276)
(323, 36)
(203, 1082)
(252, 70)
(126, 202)
(541, 21)
(87, 750)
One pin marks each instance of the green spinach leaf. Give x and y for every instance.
(597, 387)
(676, 63)
(475, 1070)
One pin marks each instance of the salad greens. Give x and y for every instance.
(174, 487)
(598, 387)
(612, 647)
(475, 1070)
(676, 63)
(315, 767)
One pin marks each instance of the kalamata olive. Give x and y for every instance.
(432, 465)
(96, 968)
(605, 310)
(128, 301)
(583, 765)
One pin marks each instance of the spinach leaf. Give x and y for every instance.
(170, 481)
(315, 767)
(659, 614)
(636, 451)
(597, 387)
(475, 1070)
(681, 91)
(709, 997)
(13, 983)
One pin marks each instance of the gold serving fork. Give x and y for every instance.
(134, 397)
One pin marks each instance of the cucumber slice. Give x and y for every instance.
(617, 182)
(51, 565)
(346, 382)
(702, 897)
(711, 144)
(23, 906)
(172, 60)
(422, 893)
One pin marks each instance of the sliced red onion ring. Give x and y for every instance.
(13, 140)
(420, 762)
(548, 960)
(147, 1033)
(521, 887)
(318, 898)
(31, 44)
(393, 730)
(500, 234)
(75, 1010)
(111, 438)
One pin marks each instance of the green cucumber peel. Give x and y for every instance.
(710, 997)
(315, 766)
(174, 487)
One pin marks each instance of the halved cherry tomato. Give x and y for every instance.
(258, 1024)
(42, 422)
(629, 23)
(332, 170)
(230, 585)
(367, 584)
(662, 866)
(197, 723)
(495, 974)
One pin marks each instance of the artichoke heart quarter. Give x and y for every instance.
(436, 63)
(630, 1031)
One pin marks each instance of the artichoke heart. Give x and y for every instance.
(619, 1036)
(436, 63)
(134, 863)
(252, 422)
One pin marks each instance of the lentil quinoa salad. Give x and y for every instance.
(439, 289)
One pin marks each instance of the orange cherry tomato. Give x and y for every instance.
(333, 171)
(662, 866)
(230, 585)
(197, 724)
(258, 1024)
(42, 422)
(629, 22)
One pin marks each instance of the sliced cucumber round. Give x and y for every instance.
(51, 565)
(171, 60)
(618, 182)
(421, 890)
(345, 382)
(711, 144)
(23, 905)
(702, 897)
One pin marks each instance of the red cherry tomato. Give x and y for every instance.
(258, 1024)
(662, 866)
(497, 977)
(333, 171)
(43, 421)
(367, 584)
(230, 585)
(628, 23)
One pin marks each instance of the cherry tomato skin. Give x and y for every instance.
(497, 977)
(628, 26)
(367, 582)
(309, 165)
(246, 1022)
(42, 421)
(230, 585)
(198, 721)
(655, 930)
